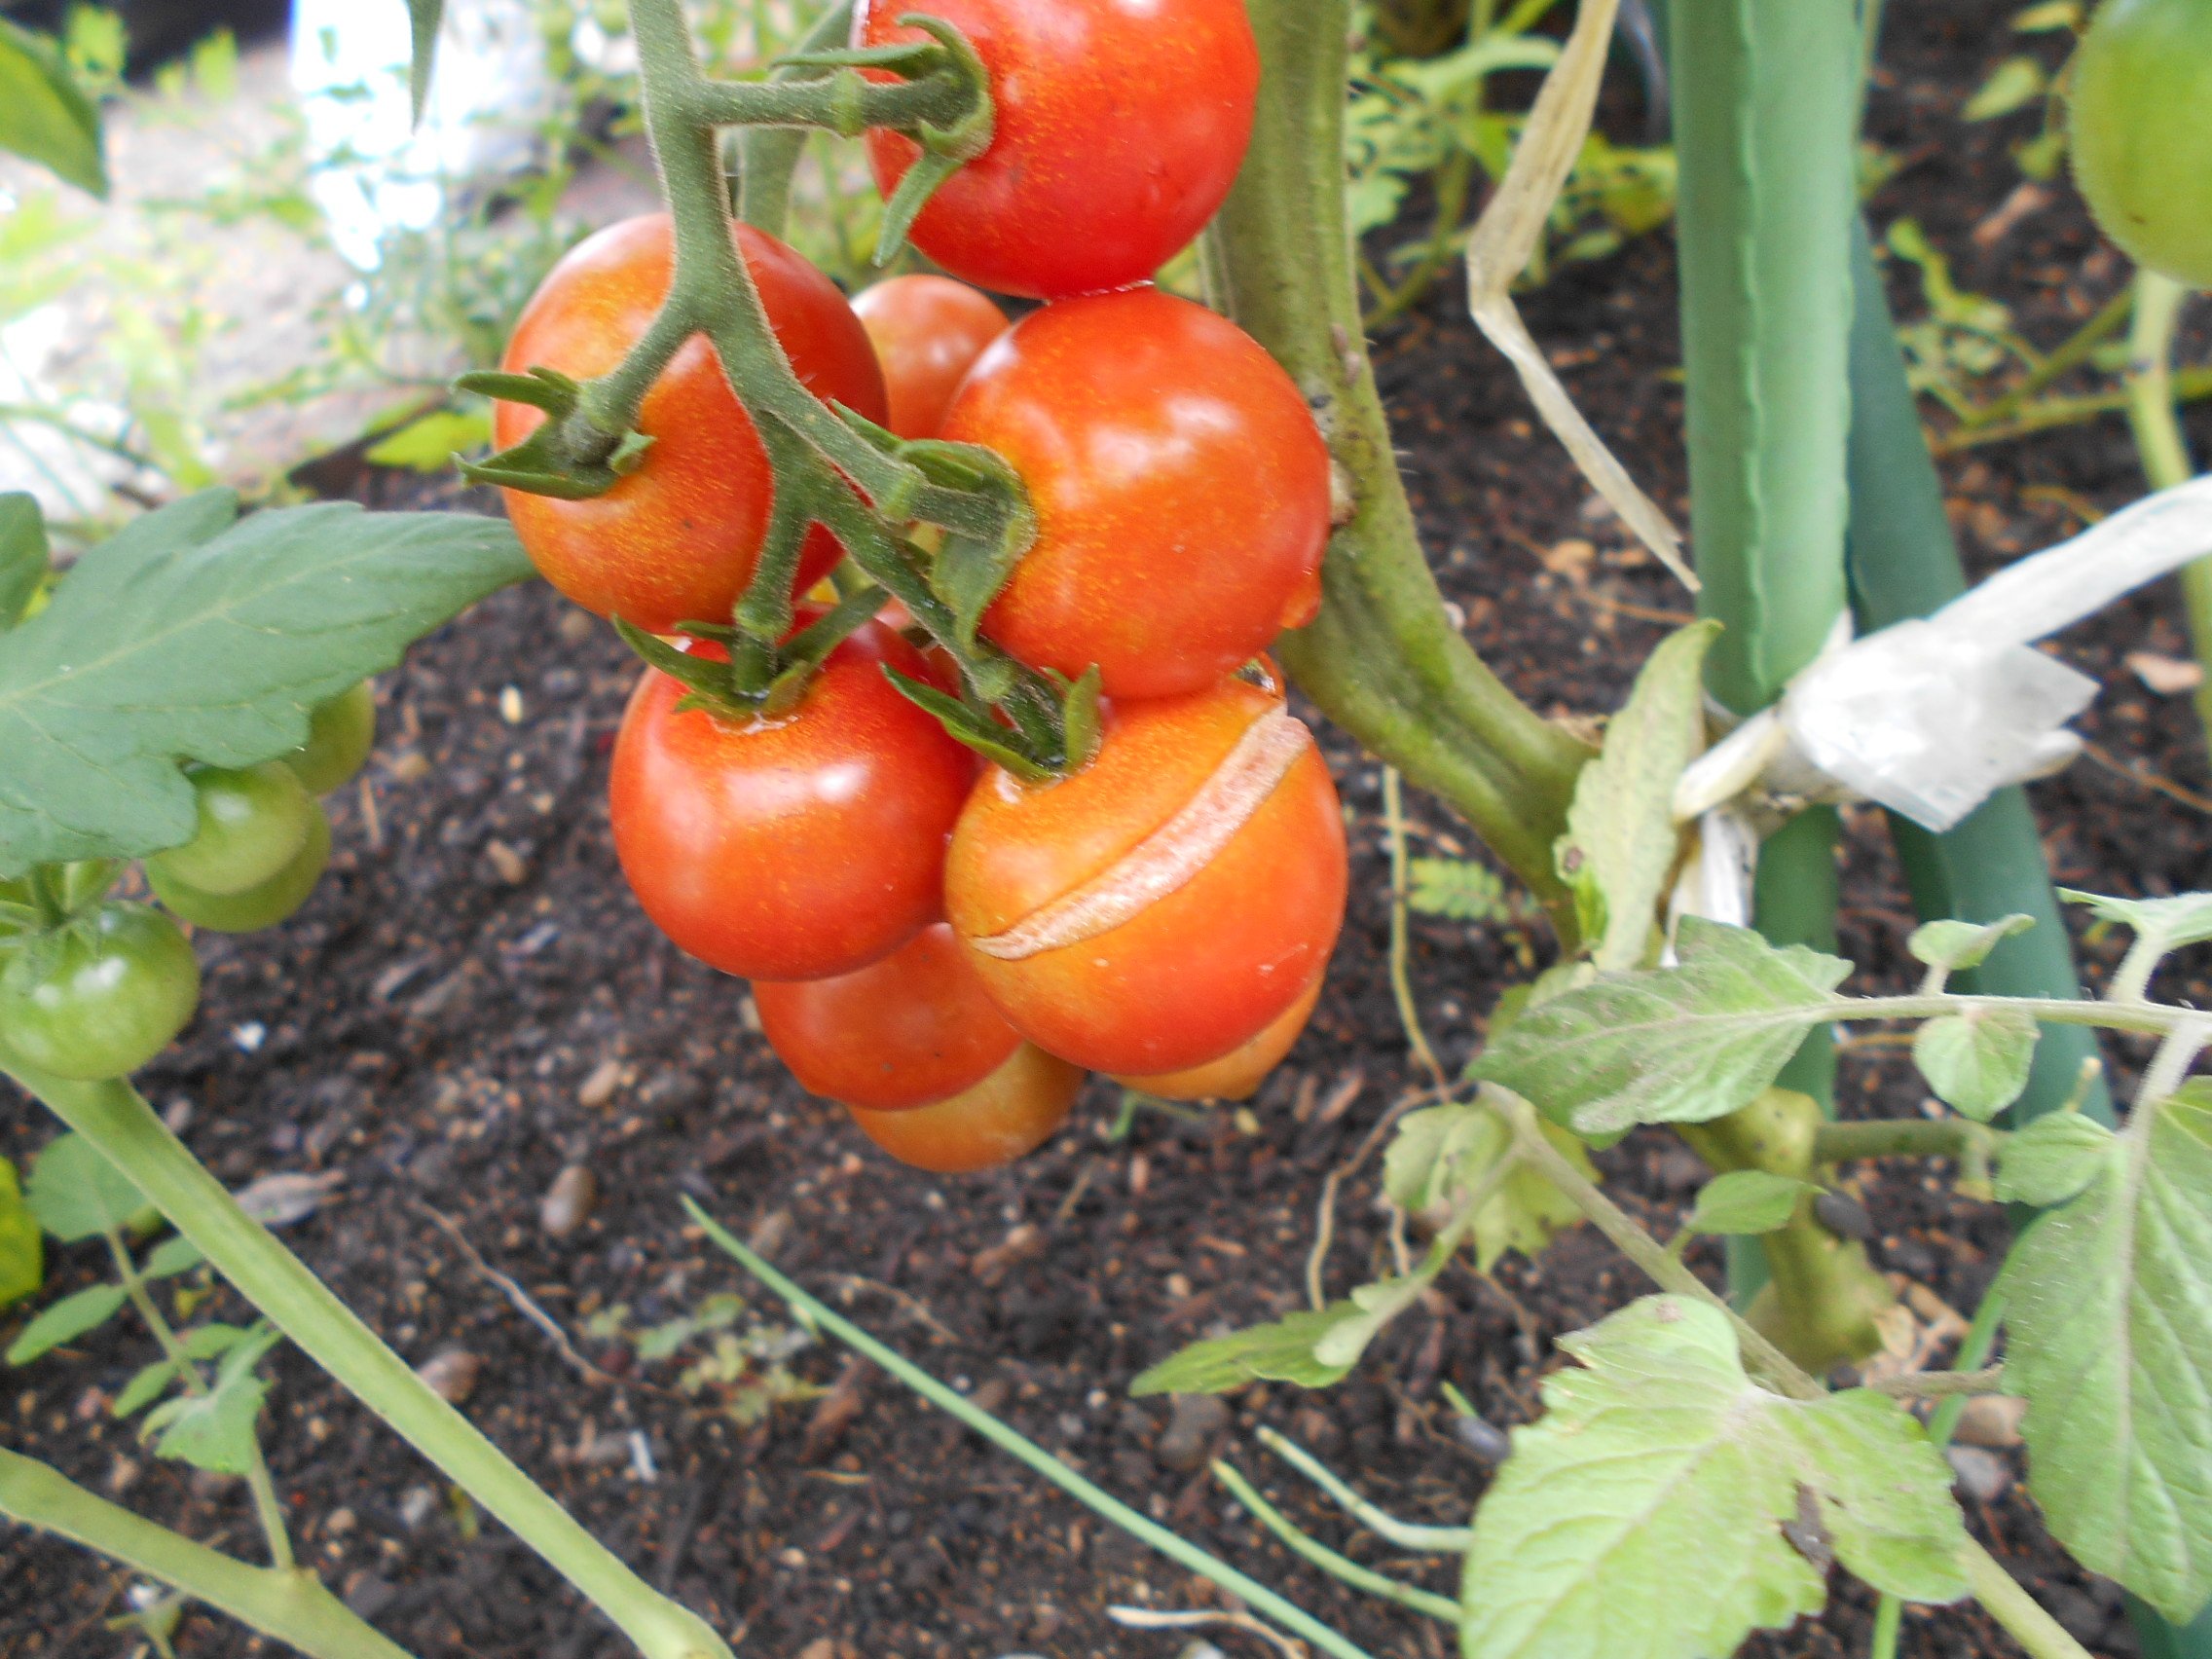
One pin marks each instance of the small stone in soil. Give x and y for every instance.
(1982, 1476)
(451, 1374)
(415, 1506)
(1191, 1431)
(568, 1201)
(599, 1089)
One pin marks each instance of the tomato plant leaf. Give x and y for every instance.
(215, 1430)
(1621, 844)
(66, 1321)
(22, 1246)
(2013, 85)
(24, 556)
(422, 20)
(429, 442)
(77, 1194)
(193, 634)
(1977, 1060)
(145, 1386)
(2110, 1314)
(2159, 925)
(1746, 1201)
(1954, 947)
(45, 116)
(1277, 1352)
(1441, 1152)
(1462, 891)
(1644, 1516)
(2052, 1159)
(1668, 1045)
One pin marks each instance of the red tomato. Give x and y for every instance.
(677, 539)
(912, 1029)
(793, 848)
(928, 333)
(1237, 1074)
(1170, 902)
(1180, 484)
(1119, 128)
(1012, 1112)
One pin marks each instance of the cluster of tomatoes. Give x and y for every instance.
(92, 988)
(938, 944)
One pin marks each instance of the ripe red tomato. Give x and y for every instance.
(1237, 1074)
(912, 1029)
(796, 847)
(1167, 903)
(676, 540)
(1119, 128)
(1012, 1112)
(928, 333)
(1180, 484)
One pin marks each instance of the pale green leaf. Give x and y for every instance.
(44, 115)
(2050, 16)
(24, 556)
(1668, 1045)
(149, 1383)
(1621, 843)
(1460, 889)
(1977, 1061)
(189, 636)
(1441, 1152)
(171, 1257)
(2110, 1314)
(2160, 925)
(1644, 1516)
(215, 1430)
(429, 444)
(2053, 1158)
(1955, 946)
(2013, 85)
(1746, 1201)
(77, 1194)
(22, 1249)
(1277, 1352)
(66, 1321)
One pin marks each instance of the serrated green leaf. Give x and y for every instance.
(1977, 1060)
(66, 1321)
(23, 1247)
(1621, 843)
(77, 1194)
(1277, 1352)
(1460, 889)
(45, 116)
(2109, 1315)
(2013, 85)
(191, 636)
(1955, 946)
(422, 20)
(215, 1430)
(430, 443)
(1643, 1517)
(24, 558)
(146, 1387)
(1668, 1045)
(2052, 1159)
(1746, 1201)
(1441, 1152)
(2160, 925)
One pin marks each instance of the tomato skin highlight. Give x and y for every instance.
(2140, 132)
(910, 1029)
(252, 823)
(794, 848)
(1119, 126)
(1012, 1112)
(255, 907)
(1200, 969)
(101, 997)
(928, 333)
(341, 734)
(677, 539)
(1180, 485)
(1237, 1074)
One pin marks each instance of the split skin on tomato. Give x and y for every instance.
(1237, 1074)
(912, 1029)
(677, 539)
(1118, 128)
(1168, 902)
(2140, 132)
(795, 847)
(1011, 1113)
(1180, 485)
(928, 333)
(100, 996)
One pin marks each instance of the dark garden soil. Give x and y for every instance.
(472, 1004)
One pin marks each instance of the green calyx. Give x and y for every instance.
(571, 456)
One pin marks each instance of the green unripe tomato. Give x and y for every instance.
(257, 908)
(101, 995)
(253, 822)
(2140, 124)
(340, 735)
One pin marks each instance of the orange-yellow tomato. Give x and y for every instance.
(1237, 1074)
(677, 539)
(1168, 902)
(1012, 1112)
(928, 333)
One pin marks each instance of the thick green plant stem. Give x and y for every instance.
(292, 1606)
(767, 155)
(117, 1120)
(1903, 562)
(1384, 660)
(2161, 447)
